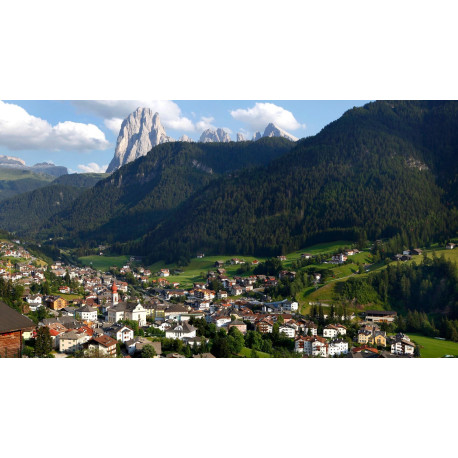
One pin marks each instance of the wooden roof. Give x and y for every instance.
(10, 320)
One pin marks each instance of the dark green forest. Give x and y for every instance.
(380, 169)
(135, 198)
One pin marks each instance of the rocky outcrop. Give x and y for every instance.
(257, 136)
(212, 135)
(43, 167)
(185, 138)
(274, 131)
(140, 132)
(50, 169)
(240, 137)
(11, 161)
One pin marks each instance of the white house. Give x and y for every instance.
(181, 331)
(288, 331)
(222, 320)
(338, 258)
(338, 347)
(121, 333)
(402, 347)
(311, 346)
(34, 300)
(330, 331)
(86, 313)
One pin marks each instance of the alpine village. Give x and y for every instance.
(338, 245)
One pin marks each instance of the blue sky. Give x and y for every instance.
(81, 135)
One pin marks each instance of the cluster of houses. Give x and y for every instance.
(93, 323)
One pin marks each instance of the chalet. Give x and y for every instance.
(338, 258)
(13, 326)
(55, 302)
(417, 252)
(450, 246)
(265, 326)
(281, 258)
(236, 290)
(222, 294)
(201, 255)
(164, 273)
(103, 345)
(306, 255)
(219, 264)
(402, 346)
(120, 332)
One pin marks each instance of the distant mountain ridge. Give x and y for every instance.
(142, 130)
(42, 167)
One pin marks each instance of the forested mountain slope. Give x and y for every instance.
(380, 169)
(25, 212)
(135, 198)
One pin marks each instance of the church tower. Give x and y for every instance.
(114, 290)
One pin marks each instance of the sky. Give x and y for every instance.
(81, 135)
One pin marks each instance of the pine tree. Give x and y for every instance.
(43, 342)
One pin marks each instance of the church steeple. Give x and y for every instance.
(114, 290)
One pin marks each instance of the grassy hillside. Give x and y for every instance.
(17, 181)
(434, 348)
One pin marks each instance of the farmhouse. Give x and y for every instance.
(12, 327)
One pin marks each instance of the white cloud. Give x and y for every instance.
(114, 124)
(262, 114)
(169, 112)
(20, 130)
(92, 167)
(205, 123)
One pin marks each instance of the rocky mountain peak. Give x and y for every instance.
(273, 130)
(240, 137)
(139, 133)
(212, 135)
(185, 138)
